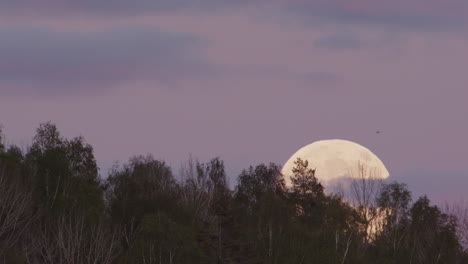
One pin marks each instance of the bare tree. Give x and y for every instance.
(197, 190)
(365, 187)
(71, 241)
(460, 211)
(16, 212)
(348, 243)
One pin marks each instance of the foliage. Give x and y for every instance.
(63, 173)
(56, 209)
(256, 182)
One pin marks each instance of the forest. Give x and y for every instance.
(56, 207)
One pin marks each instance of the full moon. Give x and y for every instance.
(336, 162)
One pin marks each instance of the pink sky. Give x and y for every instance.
(249, 82)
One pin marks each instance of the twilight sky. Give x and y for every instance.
(247, 80)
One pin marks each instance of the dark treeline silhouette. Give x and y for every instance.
(55, 208)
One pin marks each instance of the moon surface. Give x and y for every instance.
(336, 162)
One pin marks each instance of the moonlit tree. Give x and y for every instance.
(365, 188)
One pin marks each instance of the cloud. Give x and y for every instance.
(321, 77)
(272, 72)
(439, 185)
(45, 61)
(339, 41)
(415, 15)
(418, 15)
(356, 40)
(112, 7)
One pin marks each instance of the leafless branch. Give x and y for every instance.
(365, 188)
(16, 212)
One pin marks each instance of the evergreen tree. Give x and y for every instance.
(307, 192)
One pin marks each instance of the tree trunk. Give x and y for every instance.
(270, 242)
(347, 248)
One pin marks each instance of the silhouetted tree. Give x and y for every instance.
(54, 209)
(365, 187)
(64, 173)
(432, 234)
(145, 199)
(72, 241)
(394, 201)
(197, 191)
(16, 213)
(256, 182)
(2, 146)
(307, 193)
(460, 211)
(141, 187)
(261, 192)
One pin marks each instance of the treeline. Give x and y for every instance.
(55, 208)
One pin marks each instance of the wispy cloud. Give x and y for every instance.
(411, 15)
(44, 61)
(419, 15)
(340, 41)
(439, 185)
(112, 7)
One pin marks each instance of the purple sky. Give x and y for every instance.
(247, 80)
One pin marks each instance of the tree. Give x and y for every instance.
(460, 211)
(261, 193)
(341, 221)
(12, 162)
(16, 211)
(64, 173)
(161, 239)
(205, 187)
(54, 209)
(143, 186)
(256, 182)
(220, 203)
(394, 203)
(307, 192)
(71, 241)
(144, 198)
(432, 234)
(214, 171)
(2, 146)
(365, 187)
(84, 187)
(197, 192)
